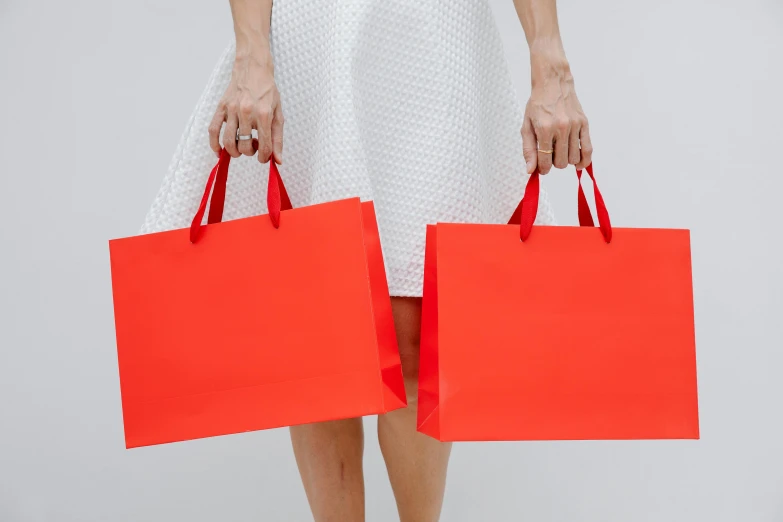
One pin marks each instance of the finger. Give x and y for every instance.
(560, 158)
(545, 136)
(574, 154)
(277, 134)
(246, 122)
(587, 147)
(264, 126)
(545, 158)
(546, 144)
(529, 146)
(230, 132)
(214, 128)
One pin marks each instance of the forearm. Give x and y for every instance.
(252, 20)
(547, 56)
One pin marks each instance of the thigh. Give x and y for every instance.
(407, 323)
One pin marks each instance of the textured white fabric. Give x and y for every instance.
(408, 103)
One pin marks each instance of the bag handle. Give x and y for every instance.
(276, 198)
(525, 214)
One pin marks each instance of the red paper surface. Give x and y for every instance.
(254, 327)
(562, 336)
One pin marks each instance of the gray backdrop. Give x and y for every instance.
(687, 132)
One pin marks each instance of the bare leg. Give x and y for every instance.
(329, 457)
(416, 463)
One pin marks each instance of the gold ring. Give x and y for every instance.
(550, 151)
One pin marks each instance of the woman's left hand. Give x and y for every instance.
(555, 130)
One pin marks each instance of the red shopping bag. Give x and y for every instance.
(568, 333)
(268, 321)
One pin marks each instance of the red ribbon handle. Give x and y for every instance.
(525, 214)
(277, 198)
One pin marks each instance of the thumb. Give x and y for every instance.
(529, 146)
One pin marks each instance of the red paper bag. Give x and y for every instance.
(256, 323)
(568, 333)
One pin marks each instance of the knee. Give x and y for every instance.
(407, 322)
(409, 358)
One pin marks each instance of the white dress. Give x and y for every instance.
(408, 103)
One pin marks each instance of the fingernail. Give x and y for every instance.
(530, 167)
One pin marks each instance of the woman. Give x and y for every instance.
(405, 102)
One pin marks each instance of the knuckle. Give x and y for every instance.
(232, 106)
(587, 150)
(246, 108)
(545, 126)
(266, 112)
(563, 125)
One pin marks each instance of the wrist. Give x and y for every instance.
(253, 54)
(548, 63)
(252, 43)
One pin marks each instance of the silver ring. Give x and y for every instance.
(243, 138)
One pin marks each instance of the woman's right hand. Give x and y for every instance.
(251, 101)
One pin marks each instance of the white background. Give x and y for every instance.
(687, 130)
